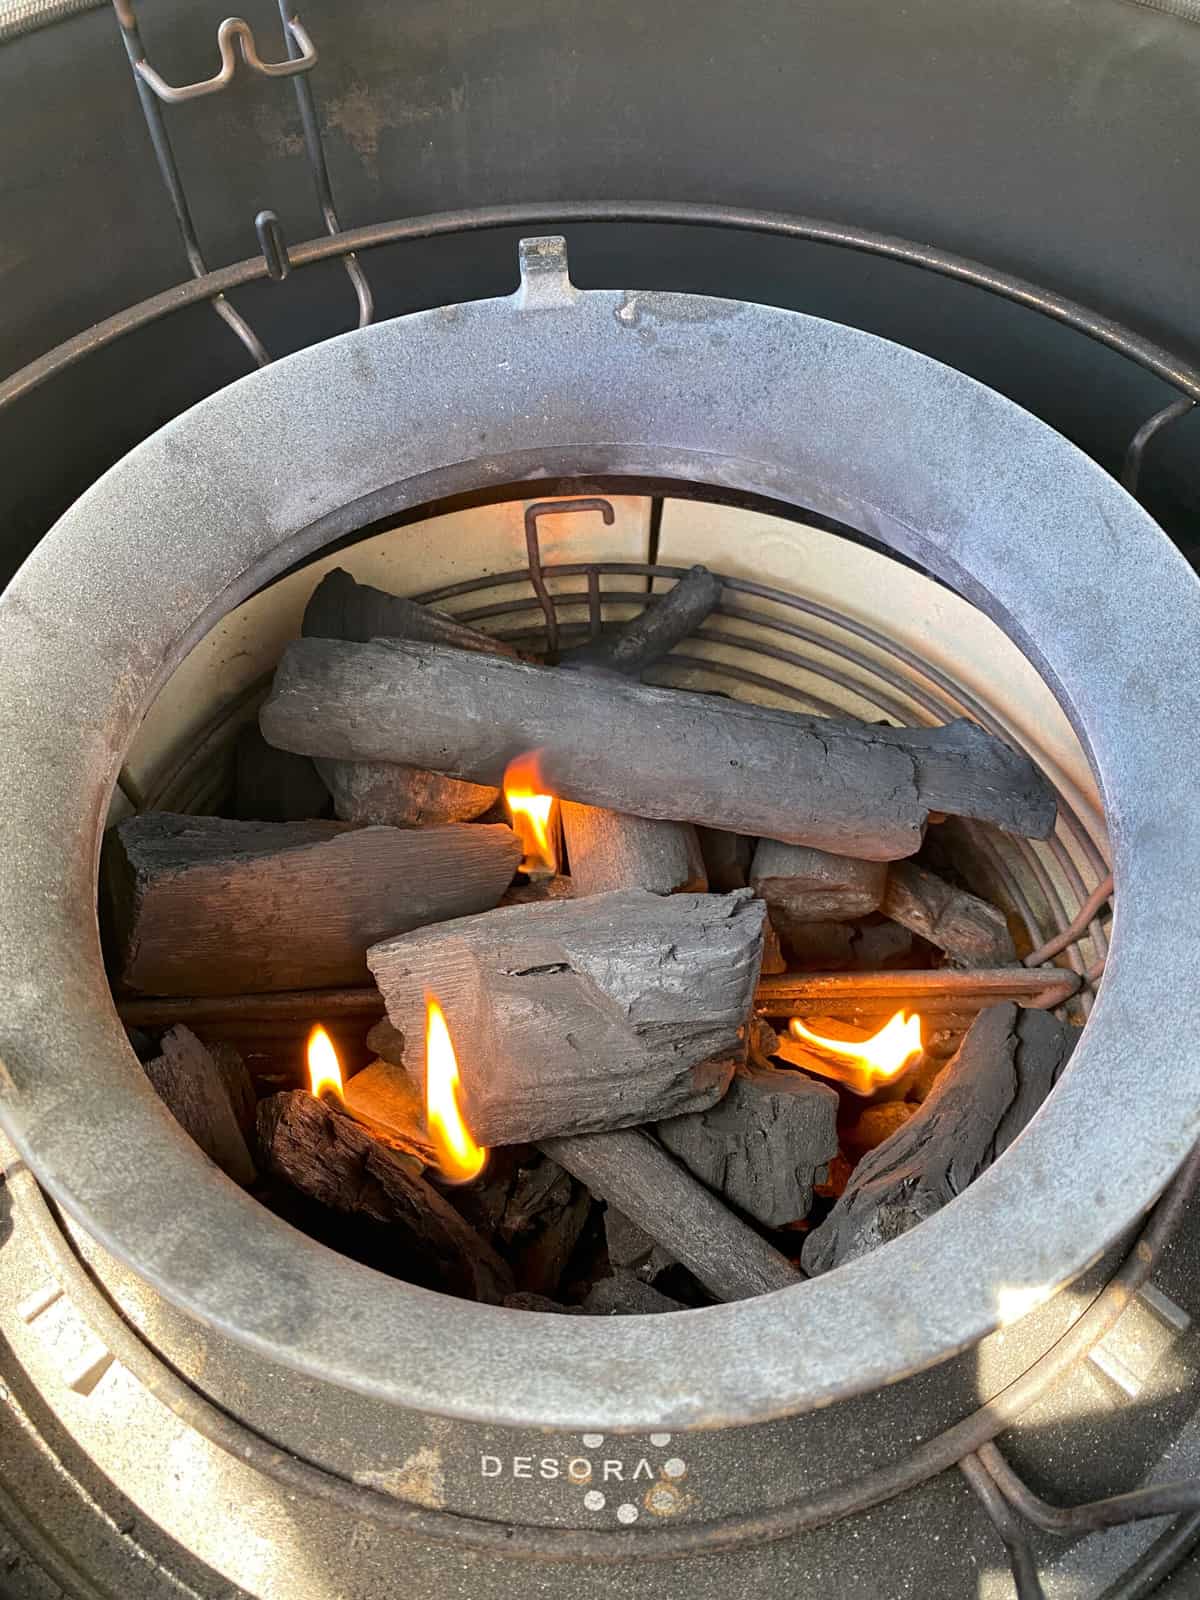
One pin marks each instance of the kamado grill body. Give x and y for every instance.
(292, 1423)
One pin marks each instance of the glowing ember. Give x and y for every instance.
(459, 1157)
(864, 1065)
(324, 1073)
(532, 814)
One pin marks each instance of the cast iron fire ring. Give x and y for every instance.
(552, 381)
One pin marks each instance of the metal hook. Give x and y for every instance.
(234, 31)
(1131, 467)
(551, 508)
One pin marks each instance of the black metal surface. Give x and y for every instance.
(965, 126)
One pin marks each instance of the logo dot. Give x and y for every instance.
(627, 1513)
(674, 1468)
(593, 1440)
(594, 1500)
(660, 1439)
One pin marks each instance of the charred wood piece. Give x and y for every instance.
(624, 1295)
(385, 1100)
(342, 608)
(273, 785)
(1007, 1065)
(330, 1158)
(631, 1248)
(846, 787)
(727, 858)
(206, 1096)
(201, 905)
(807, 885)
(581, 1015)
(613, 850)
(633, 1172)
(968, 929)
(646, 639)
(763, 1146)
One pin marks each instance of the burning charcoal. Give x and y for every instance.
(196, 1089)
(807, 885)
(968, 929)
(580, 1015)
(200, 905)
(542, 1253)
(387, 1102)
(773, 962)
(635, 645)
(538, 890)
(336, 1162)
(275, 785)
(727, 858)
(763, 1147)
(847, 787)
(612, 850)
(875, 1123)
(1008, 1063)
(633, 1172)
(384, 792)
(387, 1042)
(623, 1295)
(631, 1247)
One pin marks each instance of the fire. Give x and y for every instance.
(324, 1072)
(864, 1065)
(532, 814)
(459, 1157)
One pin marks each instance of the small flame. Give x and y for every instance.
(459, 1157)
(532, 813)
(865, 1064)
(324, 1073)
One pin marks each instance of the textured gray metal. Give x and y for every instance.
(550, 381)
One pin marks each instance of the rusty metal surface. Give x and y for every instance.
(556, 380)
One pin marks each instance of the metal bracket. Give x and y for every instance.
(554, 508)
(234, 35)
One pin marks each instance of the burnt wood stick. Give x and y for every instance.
(330, 1158)
(387, 1101)
(343, 608)
(807, 885)
(388, 792)
(847, 787)
(968, 929)
(283, 1008)
(953, 989)
(1004, 1069)
(579, 1015)
(201, 905)
(632, 1171)
(197, 1090)
(646, 639)
(614, 850)
(763, 1146)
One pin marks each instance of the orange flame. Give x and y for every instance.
(324, 1072)
(532, 813)
(459, 1157)
(864, 1065)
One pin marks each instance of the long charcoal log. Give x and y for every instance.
(274, 785)
(807, 885)
(201, 905)
(763, 1146)
(386, 792)
(632, 1171)
(389, 794)
(613, 850)
(343, 608)
(968, 929)
(580, 1015)
(1006, 1066)
(284, 1009)
(947, 989)
(197, 1090)
(640, 643)
(333, 1160)
(847, 787)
